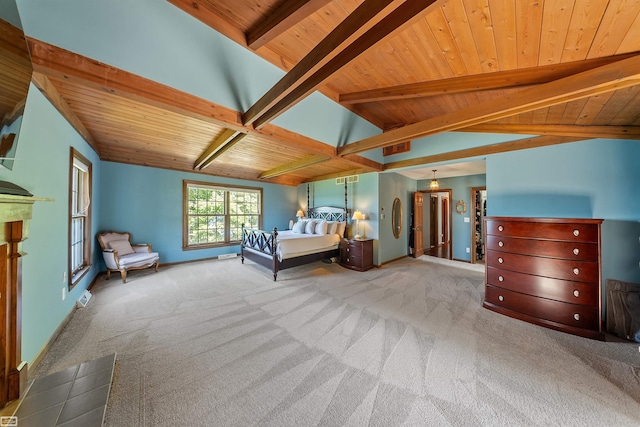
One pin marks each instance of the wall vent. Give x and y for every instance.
(347, 179)
(84, 299)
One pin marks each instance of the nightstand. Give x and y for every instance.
(356, 254)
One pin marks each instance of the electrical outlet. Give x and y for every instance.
(468, 250)
(64, 293)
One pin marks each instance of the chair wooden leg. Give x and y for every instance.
(157, 265)
(123, 273)
(108, 274)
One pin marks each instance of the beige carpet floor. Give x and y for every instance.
(219, 343)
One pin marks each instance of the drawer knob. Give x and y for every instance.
(576, 251)
(576, 293)
(576, 271)
(348, 249)
(501, 279)
(500, 243)
(500, 298)
(576, 316)
(500, 228)
(576, 233)
(500, 260)
(348, 260)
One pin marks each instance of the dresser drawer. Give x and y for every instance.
(552, 230)
(350, 259)
(545, 287)
(580, 271)
(352, 248)
(574, 315)
(547, 248)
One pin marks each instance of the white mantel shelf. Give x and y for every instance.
(10, 198)
(17, 208)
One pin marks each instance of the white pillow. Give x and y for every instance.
(332, 227)
(310, 227)
(123, 247)
(321, 227)
(298, 227)
(341, 227)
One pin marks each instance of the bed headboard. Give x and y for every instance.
(329, 213)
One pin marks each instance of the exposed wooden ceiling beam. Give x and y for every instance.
(485, 150)
(285, 15)
(344, 34)
(302, 163)
(363, 162)
(372, 21)
(54, 61)
(47, 88)
(223, 139)
(603, 79)
(221, 146)
(613, 132)
(480, 82)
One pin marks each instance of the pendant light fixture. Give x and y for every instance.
(434, 182)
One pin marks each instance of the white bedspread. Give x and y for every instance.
(292, 244)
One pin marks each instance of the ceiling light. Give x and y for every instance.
(434, 182)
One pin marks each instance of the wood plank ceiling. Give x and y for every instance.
(563, 69)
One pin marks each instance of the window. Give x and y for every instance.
(214, 214)
(79, 217)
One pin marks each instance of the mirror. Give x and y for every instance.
(15, 76)
(396, 218)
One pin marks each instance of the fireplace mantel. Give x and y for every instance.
(17, 208)
(15, 214)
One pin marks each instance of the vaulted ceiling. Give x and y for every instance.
(563, 69)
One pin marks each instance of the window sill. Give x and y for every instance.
(211, 246)
(78, 276)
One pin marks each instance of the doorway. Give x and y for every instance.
(434, 223)
(479, 205)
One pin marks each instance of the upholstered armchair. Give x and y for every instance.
(120, 255)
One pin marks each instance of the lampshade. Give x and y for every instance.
(434, 182)
(357, 216)
(300, 213)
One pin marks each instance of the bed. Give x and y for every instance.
(279, 250)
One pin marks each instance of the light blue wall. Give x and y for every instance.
(461, 190)
(156, 40)
(361, 195)
(148, 203)
(9, 13)
(393, 185)
(590, 179)
(42, 167)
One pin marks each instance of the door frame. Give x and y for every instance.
(450, 216)
(472, 215)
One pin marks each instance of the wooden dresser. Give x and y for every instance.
(356, 254)
(545, 271)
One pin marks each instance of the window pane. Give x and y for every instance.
(79, 214)
(207, 216)
(77, 243)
